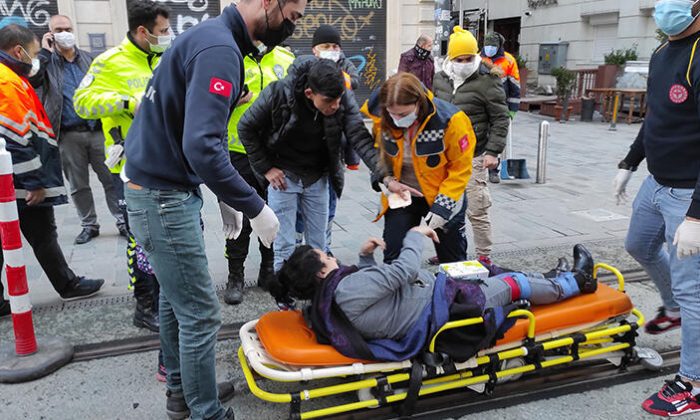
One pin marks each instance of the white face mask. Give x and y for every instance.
(36, 64)
(465, 70)
(330, 55)
(64, 39)
(405, 122)
(164, 42)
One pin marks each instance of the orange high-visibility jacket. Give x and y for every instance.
(30, 140)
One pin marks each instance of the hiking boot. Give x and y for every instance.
(176, 406)
(4, 307)
(233, 295)
(675, 398)
(83, 289)
(86, 235)
(583, 269)
(662, 323)
(494, 176)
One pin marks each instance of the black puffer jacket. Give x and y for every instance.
(483, 99)
(271, 117)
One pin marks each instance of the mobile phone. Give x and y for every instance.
(245, 91)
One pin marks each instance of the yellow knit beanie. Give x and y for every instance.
(462, 42)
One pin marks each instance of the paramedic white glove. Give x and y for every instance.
(434, 221)
(266, 226)
(233, 220)
(620, 185)
(687, 239)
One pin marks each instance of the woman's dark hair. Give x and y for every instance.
(298, 277)
(326, 78)
(144, 13)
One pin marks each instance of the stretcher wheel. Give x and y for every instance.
(510, 364)
(649, 358)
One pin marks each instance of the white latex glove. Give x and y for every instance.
(265, 225)
(687, 239)
(434, 221)
(233, 220)
(620, 185)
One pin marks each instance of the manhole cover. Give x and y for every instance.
(600, 215)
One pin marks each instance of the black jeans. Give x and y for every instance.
(38, 225)
(397, 222)
(237, 249)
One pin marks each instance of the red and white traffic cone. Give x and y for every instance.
(29, 360)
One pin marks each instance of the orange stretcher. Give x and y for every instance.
(281, 347)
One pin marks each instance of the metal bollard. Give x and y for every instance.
(542, 153)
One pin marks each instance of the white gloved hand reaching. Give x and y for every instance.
(233, 220)
(435, 221)
(620, 185)
(687, 239)
(265, 225)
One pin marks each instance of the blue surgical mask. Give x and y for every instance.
(674, 16)
(490, 50)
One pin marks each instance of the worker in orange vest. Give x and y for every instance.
(504, 64)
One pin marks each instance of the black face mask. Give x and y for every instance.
(422, 53)
(273, 37)
(19, 67)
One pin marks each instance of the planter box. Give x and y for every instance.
(547, 108)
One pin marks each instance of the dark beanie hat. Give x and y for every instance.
(326, 34)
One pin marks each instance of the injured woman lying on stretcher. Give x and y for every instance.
(388, 312)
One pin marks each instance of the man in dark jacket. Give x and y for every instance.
(419, 61)
(36, 165)
(293, 137)
(63, 66)
(468, 84)
(176, 143)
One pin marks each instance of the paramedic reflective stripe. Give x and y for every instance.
(50, 192)
(514, 100)
(28, 166)
(18, 131)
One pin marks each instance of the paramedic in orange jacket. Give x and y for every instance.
(434, 174)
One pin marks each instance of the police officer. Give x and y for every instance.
(176, 144)
(259, 72)
(111, 91)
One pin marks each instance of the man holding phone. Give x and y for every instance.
(80, 141)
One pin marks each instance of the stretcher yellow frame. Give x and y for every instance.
(594, 342)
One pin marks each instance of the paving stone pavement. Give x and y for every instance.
(533, 225)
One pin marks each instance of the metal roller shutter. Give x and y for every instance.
(184, 14)
(35, 14)
(362, 26)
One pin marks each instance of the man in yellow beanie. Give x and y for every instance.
(468, 84)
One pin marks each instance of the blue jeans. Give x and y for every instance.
(332, 204)
(167, 225)
(312, 202)
(657, 213)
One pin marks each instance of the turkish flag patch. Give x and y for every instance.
(464, 143)
(220, 87)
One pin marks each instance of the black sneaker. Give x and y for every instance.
(583, 269)
(86, 235)
(83, 289)
(176, 406)
(4, 308)
(662, 323)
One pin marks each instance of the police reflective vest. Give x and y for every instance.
(112, 88)
(258, 74)
(30, 140)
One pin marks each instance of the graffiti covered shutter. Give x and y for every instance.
(362, 27)
(35, 14)
(184, 14)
